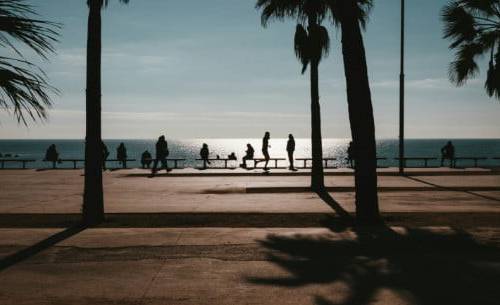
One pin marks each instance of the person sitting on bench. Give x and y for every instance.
(146, 159)
(232, 156)
(52, 155)
(249, 155)
(448, 152)
(204, 153)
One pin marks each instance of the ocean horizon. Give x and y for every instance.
(189, 149)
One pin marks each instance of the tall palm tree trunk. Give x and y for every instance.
(93, 201)
(360, 116)
(317, 179)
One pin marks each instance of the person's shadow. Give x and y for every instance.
(433, 268)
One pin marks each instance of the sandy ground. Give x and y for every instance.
(235, 252)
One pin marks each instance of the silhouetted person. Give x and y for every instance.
(105, 154)
(52, 155)
(146, 159)
(448, 152)
(249, 155)
(121, 155)
(161, 154)
(350, 154)
(290, 148)
(232, 156)
(265, 148)
(204, 153)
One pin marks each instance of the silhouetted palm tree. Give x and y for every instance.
(24, 90)
(351, 15)
(473, 26)
(93, 198)
(311, 44)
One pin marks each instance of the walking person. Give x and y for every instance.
(121, 154)
(290, 148)
(265, 149)
(161, 155)
(204, 153)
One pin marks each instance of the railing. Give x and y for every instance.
(226, 160)
(23, 161)
(325, 160)
(425, 159)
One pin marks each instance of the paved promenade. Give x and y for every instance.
(203, 238)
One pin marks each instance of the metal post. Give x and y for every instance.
(402, 94)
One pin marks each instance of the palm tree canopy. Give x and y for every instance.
(311, 42)
(23, 86)
(473, 26)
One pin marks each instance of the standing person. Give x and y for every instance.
(249, 155)
(161, 155)
(52, 155)
(121, 154)
(448, 152)
(204, 153)
(350, 154)
(105, 154)
(265, 148)
(290, 148)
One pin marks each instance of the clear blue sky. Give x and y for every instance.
(200, 68)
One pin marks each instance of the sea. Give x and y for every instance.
(189, 149)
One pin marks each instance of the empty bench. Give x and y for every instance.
(425, 159)
(377, 159)
(325, 160)
(475, 159)
(23, 161)
(225, 160)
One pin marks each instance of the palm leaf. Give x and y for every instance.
(17, 23)
(23, 92)
(301, 46)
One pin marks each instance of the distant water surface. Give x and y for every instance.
(189, 149)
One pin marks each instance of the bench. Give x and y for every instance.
(425, 159)
(258, 160)
(175, 160)
(378, 159)
(226, 160)
(310, 159)
(24, 161)
(72, 160)
(476, 159)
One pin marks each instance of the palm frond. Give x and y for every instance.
(17, 22)
(23, 92)
(464, 66)
(492, 84)
(301, 46)
(319, 41)
(104, 3)
(459, 24)
(277, 9)
(338, 7)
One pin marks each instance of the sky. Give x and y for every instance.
(208, 69)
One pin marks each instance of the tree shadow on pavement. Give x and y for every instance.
(419, 266)
(31, 251)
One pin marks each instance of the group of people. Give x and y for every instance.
(162, 153)
(250, 152)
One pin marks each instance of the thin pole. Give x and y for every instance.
(402, 94)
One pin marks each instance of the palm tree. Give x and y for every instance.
(24, 89)
(351, 15)
(93, 198)
(473, 26)
(311, 44)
